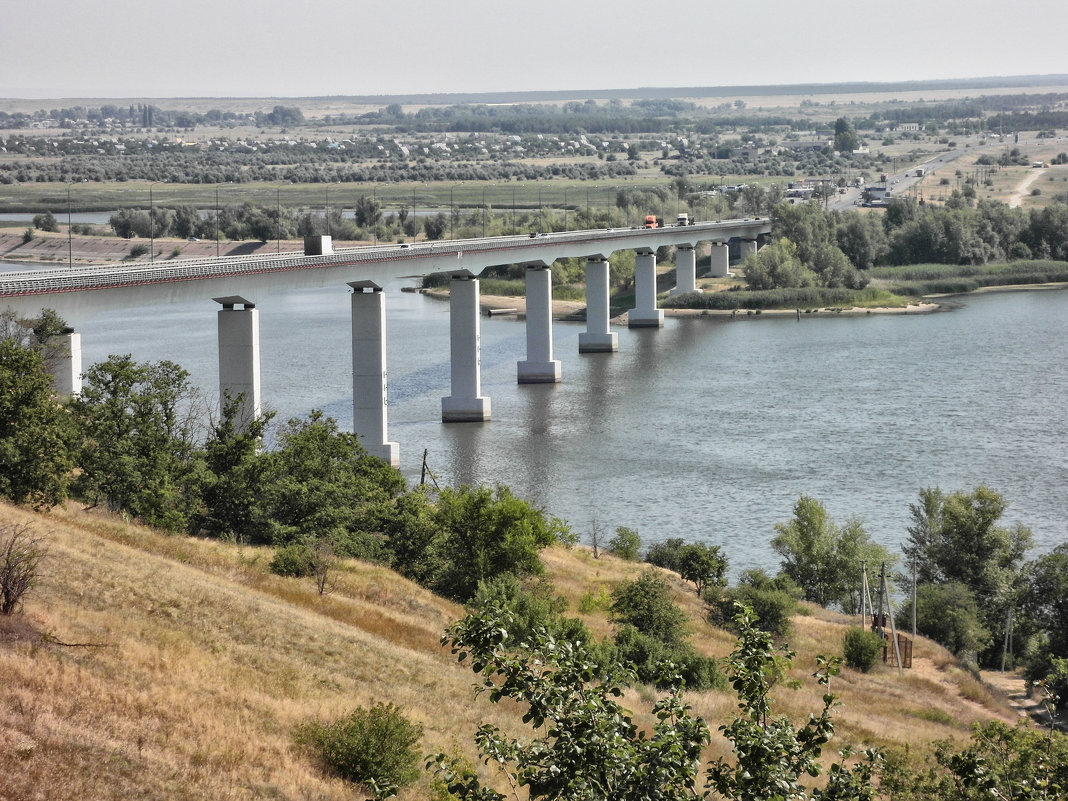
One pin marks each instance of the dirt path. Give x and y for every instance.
(1024, 187)
(1013, 687)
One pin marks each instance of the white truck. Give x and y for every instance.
(683, 219)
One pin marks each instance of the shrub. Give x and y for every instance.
(21, 553)
(296, 560)
(625, 544)
(375, 747)
(861, 648)
(771, 601)
(138, 250)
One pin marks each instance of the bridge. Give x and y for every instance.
(237, 284)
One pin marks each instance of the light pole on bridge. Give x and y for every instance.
(452, 211)
(152, 221)
(70, 240)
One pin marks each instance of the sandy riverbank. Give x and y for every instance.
(572, 310)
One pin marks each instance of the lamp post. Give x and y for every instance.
(565, 207)
(216, 221)
(70, 241)
(452, 211)
(326, 212)
(278, 219)
(374, 212)
(513, 210)
(152, 222)
(484, 211)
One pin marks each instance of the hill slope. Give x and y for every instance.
(157, 667)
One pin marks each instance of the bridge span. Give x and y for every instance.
(237, 284)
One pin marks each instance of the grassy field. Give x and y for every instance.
(163, 667)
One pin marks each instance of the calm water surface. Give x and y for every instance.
(706, 430)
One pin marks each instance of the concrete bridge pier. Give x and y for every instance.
(645, 314)
(466, 404)
(66, 363)
(720, 260)
(539, 366)
(369, 401)
(748, 248)
(239, 356)
(597, 338)
(685, 270)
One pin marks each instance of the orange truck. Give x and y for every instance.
(650, 221)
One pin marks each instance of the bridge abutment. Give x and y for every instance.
(370, 417)
(645, 314)
(597, 338)
(239, 356)
(539, 367)
(466, 404)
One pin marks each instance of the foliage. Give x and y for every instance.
(1044, 603)
(234, 483)
(373, 746)
(626, 544)
(823, 558)
(321, 482)
(531, 605)
(645, 604)
(666, 554)
(956, 539)
(481, 533)
(861, 648)
(21, 553)
(771, 601)
(771, 756)
(137, 439)
(703, 565)
(295, 560)
(46, 222)
(777, 265)
(35, 431)
(949, 614)
(587, 746)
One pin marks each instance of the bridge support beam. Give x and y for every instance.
(539, 366)
(645, 314)
(685, 270)
(66, 365)
(597, 338)
(719, 260)
(239, 356)
(466, 404)
(369, 401)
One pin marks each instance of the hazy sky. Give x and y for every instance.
(271, 48)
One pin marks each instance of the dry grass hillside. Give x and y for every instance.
(158, 667)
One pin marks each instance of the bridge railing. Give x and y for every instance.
(103, 276)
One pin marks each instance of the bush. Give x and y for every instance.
(21, 553)
(772, 602)
(861, 648)
(375, 747)
(296, 560)
(138, 250)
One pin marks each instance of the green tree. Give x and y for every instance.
(35, 431)
(435, 227)
(321, 486)
(704, 565)
(949, 614)
(823, 558)
(486, 532)
(137, 449)
(776, 265)
(646, 604)
(46, 222)
(845, 138)
(235, 479)
(1044, 606)
(626, 544)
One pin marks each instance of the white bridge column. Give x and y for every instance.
(466, 404)
(597, 338)
(748, 248)
(685, 270)
(645, 314)
(239, 356)
(539, 366)
(66, 363)
(369, 401)
(719, 260)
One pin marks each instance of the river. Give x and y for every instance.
(707, 429)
